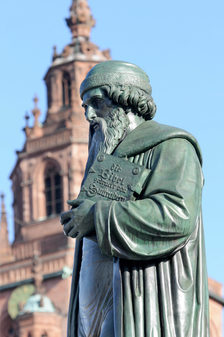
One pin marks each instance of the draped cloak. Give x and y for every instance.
(157, 242)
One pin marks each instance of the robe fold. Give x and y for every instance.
(159, 270)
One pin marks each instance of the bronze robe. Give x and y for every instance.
(160, 277)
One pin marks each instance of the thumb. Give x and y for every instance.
(74, 203)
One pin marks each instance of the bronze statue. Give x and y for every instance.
(140, 268)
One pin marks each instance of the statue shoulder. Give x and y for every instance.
(150, 134)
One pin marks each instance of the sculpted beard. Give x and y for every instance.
(109, 131)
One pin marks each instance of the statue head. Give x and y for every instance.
(117, 98)
(125, 84)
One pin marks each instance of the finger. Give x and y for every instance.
(68, 227)
(79, 236)
(73, 232)
(65, 217)
(74, 203)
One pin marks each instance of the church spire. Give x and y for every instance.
(36, 112)
(5, 249)
(81, 20)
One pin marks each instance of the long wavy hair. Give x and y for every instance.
(131, 99)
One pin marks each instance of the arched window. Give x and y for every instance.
(53, 190)
(66, 89)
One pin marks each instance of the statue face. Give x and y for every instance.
(97, 105)
(108, 122)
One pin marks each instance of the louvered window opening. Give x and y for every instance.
(53, 191)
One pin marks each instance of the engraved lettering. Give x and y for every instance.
(116, 168)
(110, 180)
(111, 176)
(110, 185)
(93, 190)
(105, 174)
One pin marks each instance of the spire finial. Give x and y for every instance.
(55, 54)
(81, 20)
(27, 117)
(35, 99)
(27, 129)
(36, 111)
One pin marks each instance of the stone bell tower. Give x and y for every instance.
(50, 167)
(48, 172)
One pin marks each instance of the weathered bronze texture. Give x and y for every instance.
(112, 178)
(139, 268)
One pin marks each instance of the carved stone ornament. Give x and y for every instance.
(80, 15)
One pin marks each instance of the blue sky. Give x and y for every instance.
(178, 43)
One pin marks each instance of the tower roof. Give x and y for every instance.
(81, 20)
(81, 48)
(38, 303)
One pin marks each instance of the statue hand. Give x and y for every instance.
(78, 222)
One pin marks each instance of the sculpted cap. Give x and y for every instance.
(116, 73)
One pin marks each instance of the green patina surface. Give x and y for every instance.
(156, 239)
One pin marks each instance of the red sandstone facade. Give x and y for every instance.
(48, 172)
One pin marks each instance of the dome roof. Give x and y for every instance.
(37, 303)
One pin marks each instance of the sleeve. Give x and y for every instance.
(162, 220)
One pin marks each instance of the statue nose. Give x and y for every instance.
(90, 114)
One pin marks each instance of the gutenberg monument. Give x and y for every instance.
(139, 268)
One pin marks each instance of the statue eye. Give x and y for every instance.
(96, 102)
